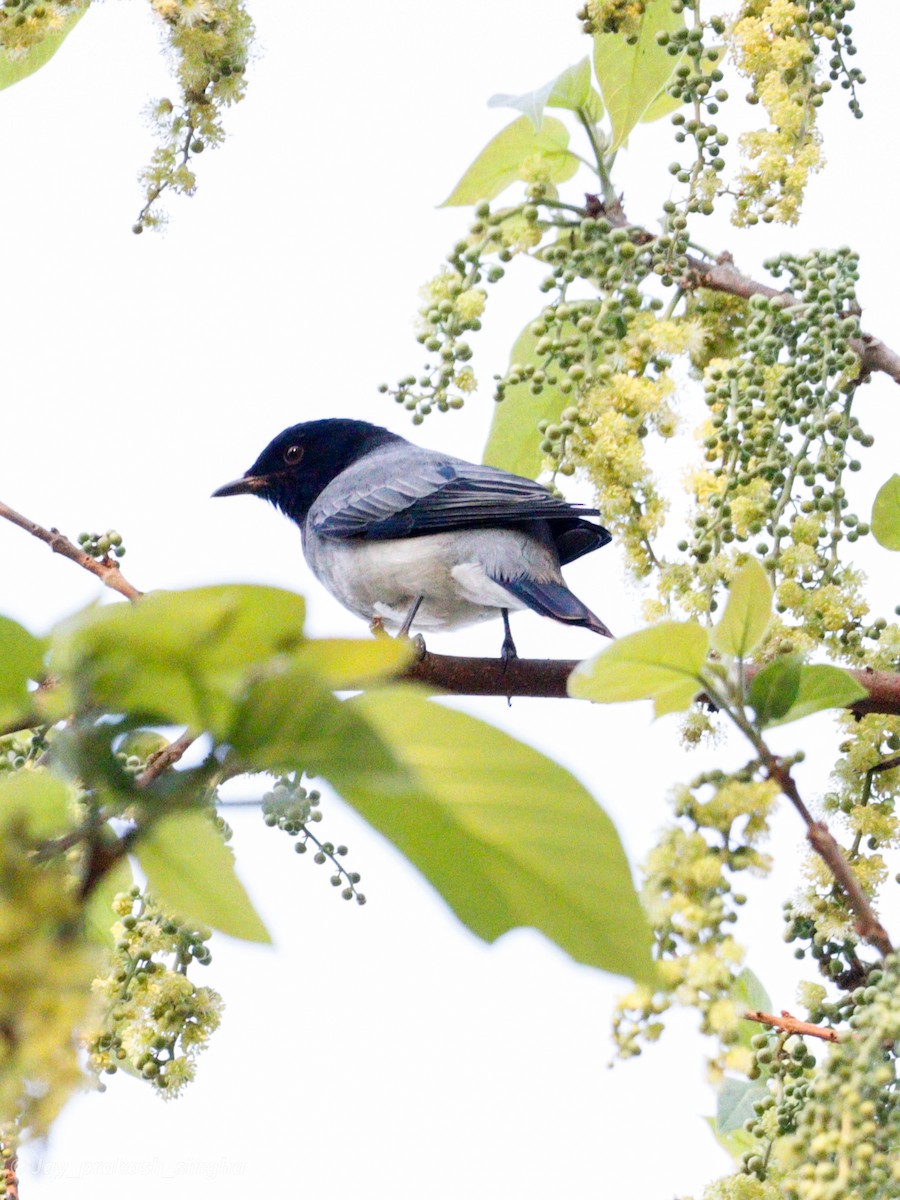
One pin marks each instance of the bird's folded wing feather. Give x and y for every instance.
(431, 497)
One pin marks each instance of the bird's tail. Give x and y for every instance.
(552, 599)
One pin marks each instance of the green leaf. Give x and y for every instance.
(735, 1143)
(505, 835)
(571, 90)
(346, 664)
(632, 77)
(886, 514)
(514, 442)
(36, 798)
(179, 657)
(191, 872)
(99, 917)
(774, 689)
(663, 663)
(735, 1103)
(500, 162)
(747, 613)
(21, 660)
(750, 995)
(12, 70)
(289, 720)
(821, 687)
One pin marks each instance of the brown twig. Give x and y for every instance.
(163, 759)
(722, 275)
(791, 1025)
(823, 842)
(548, 677)
(105, 568)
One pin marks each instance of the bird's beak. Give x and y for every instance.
(247, 483)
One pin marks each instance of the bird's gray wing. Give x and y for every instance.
(391, 495)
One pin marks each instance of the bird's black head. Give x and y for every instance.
(295, 466)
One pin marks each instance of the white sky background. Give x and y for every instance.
(377, 1052)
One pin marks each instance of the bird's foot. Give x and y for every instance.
(508, 650)
(376, 626)
(418, 645)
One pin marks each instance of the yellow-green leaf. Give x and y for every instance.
(631, 77)
(191, 872)
(346, 664)
(822, 686)
(37, 798)
(21, 660)
(571, 90)
(774, 689)
(20, 66)
(886, 514)
(747, 613)
(517, 146)
(505, 835)
(514, 442)
(663, 663)
(99, 917)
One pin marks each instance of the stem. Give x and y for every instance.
(609, 194)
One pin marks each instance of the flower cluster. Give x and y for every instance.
(211, 41)
(155, 1020)
(692, 905)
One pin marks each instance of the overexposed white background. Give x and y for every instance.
(376, 1052)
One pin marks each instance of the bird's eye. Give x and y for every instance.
(293, 454)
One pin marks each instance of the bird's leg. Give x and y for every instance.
(508, 649)
(411, 616)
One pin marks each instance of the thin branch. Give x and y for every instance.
(165, 758)
(791, 1025)
(547, 678)
(105, 568)
(722, 275)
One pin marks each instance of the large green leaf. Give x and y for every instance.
(180, 657)
(14, 69)
(38, 799)
(822, 686)
(736, 1143)
(886, 514)
(346, 664)
(191, 872)
(500, 163)
(21, 660)
(514, 442)
(662, 664)
(631, 77)
(747, 613)
(505, 835)
(750, 995)
(774, 689)
(571, 90)
(735, 1103)
(289, 720)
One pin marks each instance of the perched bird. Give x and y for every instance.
(414, 537)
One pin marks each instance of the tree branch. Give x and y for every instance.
(722, 275)
(547, 678)
(105, 568)
(791, 1025)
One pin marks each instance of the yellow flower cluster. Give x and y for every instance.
(46, 967)
(24, 26)
(771, 44)
(156, 1020)
(616, 16)
(616, 414)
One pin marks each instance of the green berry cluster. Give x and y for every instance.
(786, 1065)
(101, 545)
(292, 807)
(697, 84)
(452, 306)
(827, 21)
(780, 438)
(613, 16)
(156, 1020)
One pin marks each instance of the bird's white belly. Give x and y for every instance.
(384, 578)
